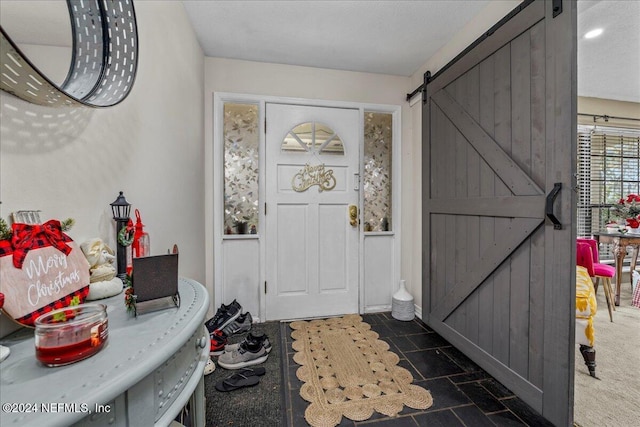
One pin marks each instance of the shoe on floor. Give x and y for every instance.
(224, 315)
(246, 354)
(236, 381)
(257, 371)
(218, 342)
(257, 338)
(241, 324)
(210, 367)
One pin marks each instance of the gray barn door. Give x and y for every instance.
(498, 133)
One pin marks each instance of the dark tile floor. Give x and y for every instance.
(463, 394)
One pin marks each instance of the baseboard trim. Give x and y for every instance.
(418, 311)
(377, 308)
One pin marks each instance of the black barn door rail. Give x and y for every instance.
(428, 77)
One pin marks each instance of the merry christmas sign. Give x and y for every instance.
(41, 269)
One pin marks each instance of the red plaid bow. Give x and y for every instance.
(32, 236)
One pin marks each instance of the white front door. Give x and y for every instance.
(312, 157)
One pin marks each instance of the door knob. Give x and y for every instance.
(353, 215)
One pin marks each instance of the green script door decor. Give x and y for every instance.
(313, 175)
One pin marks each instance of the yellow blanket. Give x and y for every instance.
(586, 307)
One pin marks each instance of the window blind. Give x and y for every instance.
(608, 170)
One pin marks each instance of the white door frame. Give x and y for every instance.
(216, 165)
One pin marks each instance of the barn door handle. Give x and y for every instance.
(551, 198)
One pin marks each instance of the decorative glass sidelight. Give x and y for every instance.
(241, 160)
(378, 143)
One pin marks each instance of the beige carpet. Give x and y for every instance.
(614, 400)
(347, 371)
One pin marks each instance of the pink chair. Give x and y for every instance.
(600, 271)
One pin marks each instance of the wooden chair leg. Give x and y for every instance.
(634, 260)
(606, 288)
(612, 293)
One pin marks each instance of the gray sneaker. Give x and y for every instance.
(245, 355)
(252, 339)
(240, 324)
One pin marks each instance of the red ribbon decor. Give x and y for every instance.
(33, 236)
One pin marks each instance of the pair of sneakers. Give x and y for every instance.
(252, 350)
(227, 321)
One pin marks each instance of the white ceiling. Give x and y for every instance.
(396, 37)
(390, 37)
(609, 65)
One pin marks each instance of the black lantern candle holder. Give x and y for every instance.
(120, 209)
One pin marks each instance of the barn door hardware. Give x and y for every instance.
(551, 198)
(557, 7)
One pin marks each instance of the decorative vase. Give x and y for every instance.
(241, 227)
(402, 304)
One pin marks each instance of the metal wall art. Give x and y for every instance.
(309, 176)
(103, 64)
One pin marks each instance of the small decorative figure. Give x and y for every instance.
(103, 280)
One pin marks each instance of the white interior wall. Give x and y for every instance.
(255, 78)
(609, 107)
(73, 162)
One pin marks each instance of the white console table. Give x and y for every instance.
(150, 368)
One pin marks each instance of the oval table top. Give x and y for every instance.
(136, 347)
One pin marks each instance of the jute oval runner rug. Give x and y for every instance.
(347, 371)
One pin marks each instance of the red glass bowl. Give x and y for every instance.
(71, 334)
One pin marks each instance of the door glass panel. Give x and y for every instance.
(241, 159)
(299, 139)
(378, 142)
(327, 141)
(313, 137)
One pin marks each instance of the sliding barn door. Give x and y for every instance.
(499, 137)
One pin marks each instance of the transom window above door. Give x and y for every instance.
(313, 137)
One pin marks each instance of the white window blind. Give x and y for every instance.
(608, 170)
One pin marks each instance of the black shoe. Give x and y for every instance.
(251, 340)
(225, 315)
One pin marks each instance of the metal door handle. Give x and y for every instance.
(551, 198)
(353, 215)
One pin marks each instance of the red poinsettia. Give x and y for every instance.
(628, 208)
(633, 222)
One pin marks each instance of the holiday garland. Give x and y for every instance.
(129, 297)
(5, 231)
